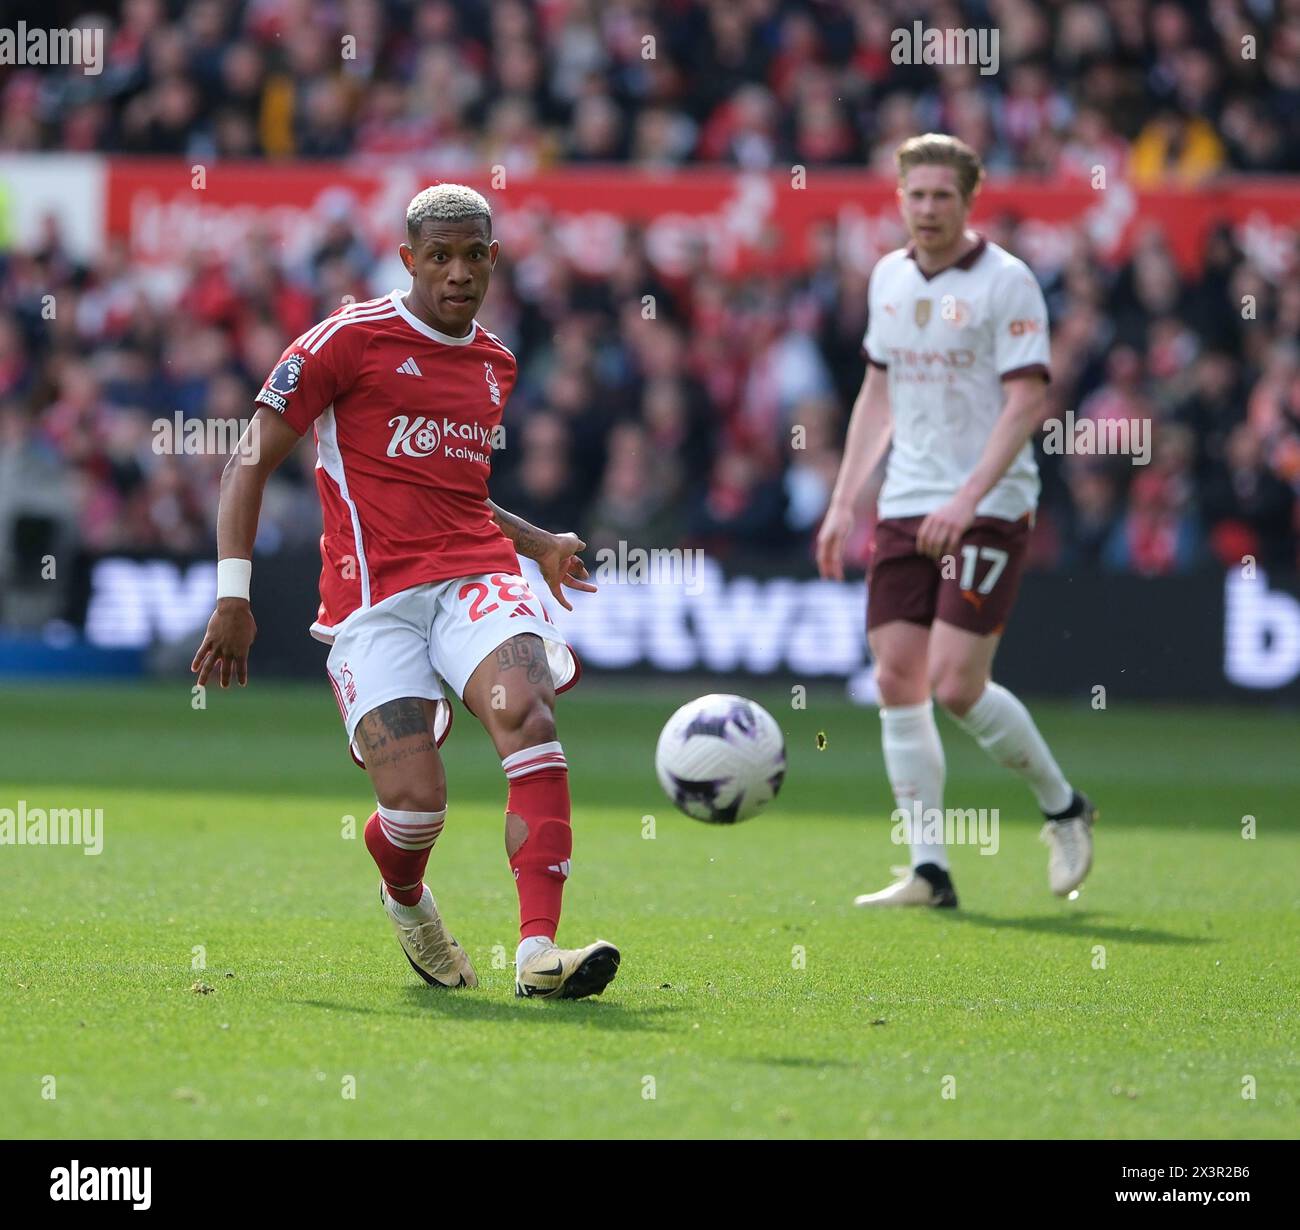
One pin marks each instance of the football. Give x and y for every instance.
(721, 758)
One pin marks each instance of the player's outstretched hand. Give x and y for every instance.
(836, 527)
(560, 566)
(230, 634)
(941, 532)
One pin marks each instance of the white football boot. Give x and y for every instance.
(1070, 844)
(567, 973)
(911, 889)
(429, 946)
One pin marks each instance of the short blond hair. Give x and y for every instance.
(446, 203)
(938, 149)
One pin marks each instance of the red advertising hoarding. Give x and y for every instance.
(736, 221)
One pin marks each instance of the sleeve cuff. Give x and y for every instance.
(866, 354)
(273, 401)
(1031, 369)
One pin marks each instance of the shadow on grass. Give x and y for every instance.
(423, 1002)
(800, 1061)
(1081, 924)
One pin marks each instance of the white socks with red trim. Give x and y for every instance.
(534, 759)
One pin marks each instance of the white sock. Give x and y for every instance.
(410, 830)
(530, 947)
(412, 913)
(914, 762)
(1001, 725)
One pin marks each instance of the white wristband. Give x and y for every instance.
(233, 576)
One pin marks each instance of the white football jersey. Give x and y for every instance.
(949, 341)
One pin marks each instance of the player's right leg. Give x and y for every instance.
(915, 765)
(901, 591)
(394, 713)
(397, 743)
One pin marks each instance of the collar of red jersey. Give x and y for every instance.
(420, 327)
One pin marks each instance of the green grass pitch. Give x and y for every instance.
(753, 1000)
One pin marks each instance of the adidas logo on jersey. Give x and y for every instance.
(410, 368)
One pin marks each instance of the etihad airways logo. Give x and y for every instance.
(931, 358)
(421, 437)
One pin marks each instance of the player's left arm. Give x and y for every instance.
(1022, 412)
(1021, 355)
(556, 555)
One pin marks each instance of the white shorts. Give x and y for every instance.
(413, 642)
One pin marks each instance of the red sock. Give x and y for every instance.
(539, 797)
(399, 842)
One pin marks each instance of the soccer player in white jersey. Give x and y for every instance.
(957, 365)
(420, 587)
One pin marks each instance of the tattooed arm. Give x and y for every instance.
(528, 539)
(556, 554)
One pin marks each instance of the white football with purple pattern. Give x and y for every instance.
(721, 758)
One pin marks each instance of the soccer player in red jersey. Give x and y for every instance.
(420, 584)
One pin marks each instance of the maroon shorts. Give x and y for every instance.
(979, 590)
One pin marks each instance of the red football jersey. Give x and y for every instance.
(406, 418)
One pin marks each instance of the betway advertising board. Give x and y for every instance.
(1210, 636)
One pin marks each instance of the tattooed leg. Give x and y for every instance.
(397, 744)
(512, 694)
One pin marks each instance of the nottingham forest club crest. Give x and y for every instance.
(494, 389)
(922, 314)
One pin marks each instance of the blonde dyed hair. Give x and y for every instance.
(446, 203)
(937, 149)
